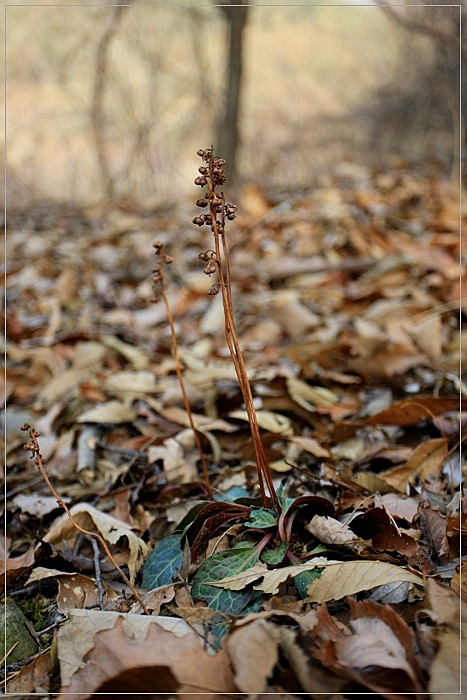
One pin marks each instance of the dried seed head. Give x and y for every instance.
(203, 170)
(157, 245)
(202, 202)
(198, 221)
(168, 259)
(220, 227)
(201, 181)
(212, 291)
(210, 268)
(216, 202)
(200, 152)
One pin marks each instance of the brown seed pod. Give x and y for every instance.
(201, 181)
(202, 202)
(210, 268)
(200, 152)
(212, 291)
(203, 170)
(198, 220)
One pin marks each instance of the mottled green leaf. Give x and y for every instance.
(275, 556)
(164, 562)
(262, 518)
(217, 567)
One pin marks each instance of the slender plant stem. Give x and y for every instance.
(33, 445)
(159, 279)
(223, 267)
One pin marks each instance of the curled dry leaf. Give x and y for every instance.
(268, 420)
(378, 653)
(112, 530)
(411, 411)
(132, 642)
(426, 460)
(112, 412)
(253, 650)
(135, 382)
(385, 535)
(331, 531)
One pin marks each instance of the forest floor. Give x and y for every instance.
(347, 304)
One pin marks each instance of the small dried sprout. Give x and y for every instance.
(230, 211)
(207, 255)
(212, 291)
(210, 268)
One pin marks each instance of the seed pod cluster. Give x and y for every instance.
(211, 173)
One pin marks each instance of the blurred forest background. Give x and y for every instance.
(111, 103)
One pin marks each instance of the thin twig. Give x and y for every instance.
(158, 278)
(39, 461)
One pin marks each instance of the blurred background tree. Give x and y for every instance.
(102, 100)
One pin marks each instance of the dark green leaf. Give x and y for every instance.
(262, 518)
(303, 580)
(275, 556)
(164, 562)
(217, 567)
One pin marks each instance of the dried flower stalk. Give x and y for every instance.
(39, 461)
(212, 175)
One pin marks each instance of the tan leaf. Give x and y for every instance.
(268, 420)
(330, 531)
(154, 599)
(253, 650)
(32, 676)
(120, 643)
(346, 578)
(427, 335)
(311, 445)
(37, 505)
(138, 382)
(138, 358)
(337, 579)
(425, 461)
(111, 529)
(310, 397)
(372, 644)
(402, 506)
(88, 359)
(448, 673)
(112, 412)
(79, 591)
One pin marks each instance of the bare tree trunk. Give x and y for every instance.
(97, 110)
(452, 51)
(227, 128)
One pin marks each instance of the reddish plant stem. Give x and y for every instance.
(159, 279)
(39, 461)
(222, 261)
